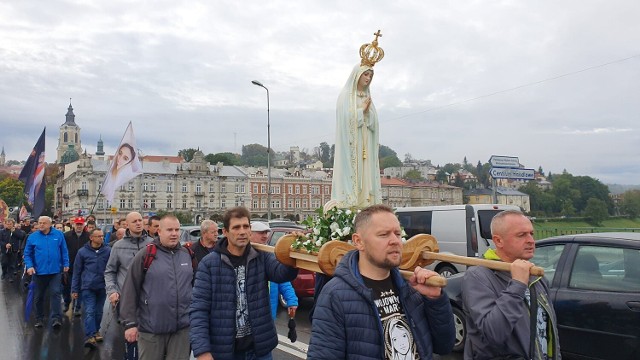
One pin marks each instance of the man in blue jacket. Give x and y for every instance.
(230, 312)
(260, 234)
(45, 256)
(368, 311)
(88, 280)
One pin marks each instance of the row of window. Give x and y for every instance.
(239, 188)
(291, 204)
(128, 204)
(256, 204)
(291, 189)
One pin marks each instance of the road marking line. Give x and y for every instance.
(297, 348)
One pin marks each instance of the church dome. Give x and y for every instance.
(69, 156)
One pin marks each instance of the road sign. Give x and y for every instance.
(504, 161)
(510, 173)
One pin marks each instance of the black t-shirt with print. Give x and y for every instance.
(398, 340)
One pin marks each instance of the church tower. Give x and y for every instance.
(2, 157)
(69, 135)
(100, 149)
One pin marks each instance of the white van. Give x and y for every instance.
(459, 229)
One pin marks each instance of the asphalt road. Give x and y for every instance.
(20, 340)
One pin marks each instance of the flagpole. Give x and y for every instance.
(94, 203)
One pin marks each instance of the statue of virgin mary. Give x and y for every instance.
(356, 169)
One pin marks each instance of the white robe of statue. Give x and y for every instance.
(356, 170)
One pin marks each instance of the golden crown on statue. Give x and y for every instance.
(371, 53)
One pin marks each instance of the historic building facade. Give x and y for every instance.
(399, 193)
(168, 183)
(195, 188)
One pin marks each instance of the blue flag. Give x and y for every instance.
(33, 177)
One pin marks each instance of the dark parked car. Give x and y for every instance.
(595, 290)
(304, 284)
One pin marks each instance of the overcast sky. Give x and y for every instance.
(555, 83)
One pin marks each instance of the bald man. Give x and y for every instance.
(122, 253)
(499, 302)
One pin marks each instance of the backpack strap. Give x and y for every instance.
(194, 261)
(149, 256)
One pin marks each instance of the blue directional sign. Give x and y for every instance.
(512, 173)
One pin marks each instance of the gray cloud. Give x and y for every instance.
(450, 86)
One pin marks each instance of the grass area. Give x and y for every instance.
(548, 228)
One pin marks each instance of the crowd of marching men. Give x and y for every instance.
(212, 298)
(83, 267)
(47, 255)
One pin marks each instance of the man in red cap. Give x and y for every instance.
(75, 239)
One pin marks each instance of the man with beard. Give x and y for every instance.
(394, 318)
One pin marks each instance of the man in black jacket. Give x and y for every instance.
(75, 239)
(10, 240)
(208, 238)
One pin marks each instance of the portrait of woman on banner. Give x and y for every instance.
(124, 166)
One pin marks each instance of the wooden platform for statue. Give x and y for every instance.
(421, 250)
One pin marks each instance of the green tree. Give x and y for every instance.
(591, 188)
(187, 154)
(565, 194)
(217, 217)
(413, 175)
(325, 154)
(11, 191)
(596, 211)
(442, 176)
(389, 161)
(48, 200)
(14, 162)
(452, 168)
(384, 151)
(185, 217)
(255, 155)
(458, 181)
(631, 203)
(387, 157)
(226, 158)
(467, 165)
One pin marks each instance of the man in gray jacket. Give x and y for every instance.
(499, 302)
(156, 296)
(122, 252)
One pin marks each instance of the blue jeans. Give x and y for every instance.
(250, 355)
(53, 283)
(93, 303)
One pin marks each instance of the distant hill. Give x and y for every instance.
(619, 189)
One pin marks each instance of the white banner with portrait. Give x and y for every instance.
(124, 165)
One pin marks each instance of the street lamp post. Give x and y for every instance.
(258, 83)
